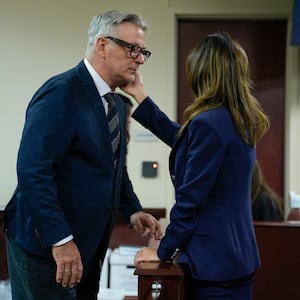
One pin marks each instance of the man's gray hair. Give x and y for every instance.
(104, 24)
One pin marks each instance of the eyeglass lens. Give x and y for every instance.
(135, 50)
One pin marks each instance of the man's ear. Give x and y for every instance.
(100, 46)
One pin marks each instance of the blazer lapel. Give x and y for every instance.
(95, 100)
(93, 97)
(173, 154)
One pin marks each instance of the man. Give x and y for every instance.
(71, 178)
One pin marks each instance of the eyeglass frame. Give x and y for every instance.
(133, 48)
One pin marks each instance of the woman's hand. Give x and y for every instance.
(146, 254)
(135, 89)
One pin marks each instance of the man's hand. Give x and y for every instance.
(68, 262)
(146, 224)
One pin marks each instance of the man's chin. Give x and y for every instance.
(128, 79)
(125, 80)
(132, 78)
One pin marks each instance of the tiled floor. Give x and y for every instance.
(105, 294)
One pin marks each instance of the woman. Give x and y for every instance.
(266, 204)
(213, 153)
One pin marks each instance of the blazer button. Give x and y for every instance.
(37, 233)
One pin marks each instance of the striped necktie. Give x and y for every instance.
(113, 124)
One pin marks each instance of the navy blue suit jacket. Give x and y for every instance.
(66, 179)
(211, 168)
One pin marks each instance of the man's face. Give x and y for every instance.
(120, 65)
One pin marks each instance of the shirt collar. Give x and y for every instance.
(101, 85)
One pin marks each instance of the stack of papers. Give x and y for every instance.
(129, 249)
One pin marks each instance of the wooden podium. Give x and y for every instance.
(159, 280)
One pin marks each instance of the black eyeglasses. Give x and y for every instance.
(135, 50)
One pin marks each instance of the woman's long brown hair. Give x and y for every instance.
(259, 185)
(218, 72)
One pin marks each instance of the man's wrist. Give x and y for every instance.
(64, 241)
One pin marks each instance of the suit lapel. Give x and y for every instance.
(173, 153)
(95, 101)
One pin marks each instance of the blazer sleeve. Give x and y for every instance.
(205, 151)
(46, 136)
(151, 117)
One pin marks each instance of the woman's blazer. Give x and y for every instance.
(211, 167)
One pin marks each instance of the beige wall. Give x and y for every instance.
(42, 38)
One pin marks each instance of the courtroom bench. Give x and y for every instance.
(279, 247)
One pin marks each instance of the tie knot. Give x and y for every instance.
(110, 98)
